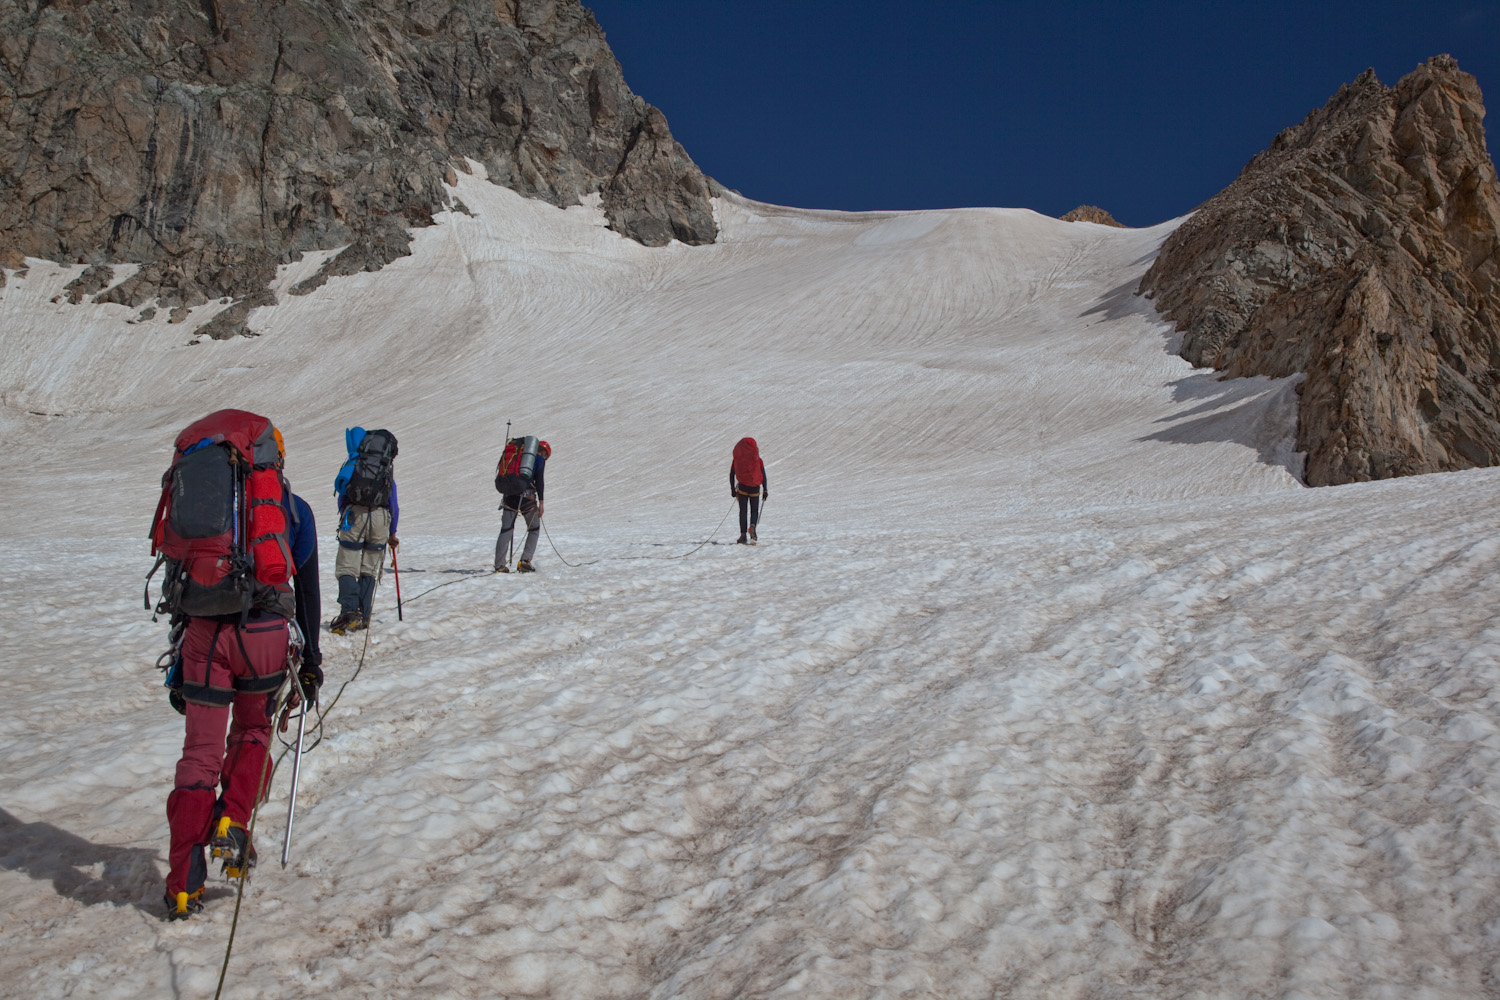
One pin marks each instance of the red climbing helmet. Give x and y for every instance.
(545, 449)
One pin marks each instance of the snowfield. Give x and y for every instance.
(1047, 679)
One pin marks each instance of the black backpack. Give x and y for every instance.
(370, 483)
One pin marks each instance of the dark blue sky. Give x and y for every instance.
(1145, 109)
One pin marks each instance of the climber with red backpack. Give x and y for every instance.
(747, 484)
(368, 515)
(241, 589)
(519, 481)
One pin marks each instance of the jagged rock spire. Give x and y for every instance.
(1361, 249)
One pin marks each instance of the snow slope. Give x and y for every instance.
(1047, 679)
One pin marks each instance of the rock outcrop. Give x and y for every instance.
(211, 140)
(1360, 249)
(1091, 213)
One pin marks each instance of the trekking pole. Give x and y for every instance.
(510, 546)
(396, 566)
(291, 809)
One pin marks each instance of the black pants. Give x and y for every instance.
(749, 507)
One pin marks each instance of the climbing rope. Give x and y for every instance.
(683, 555)
(266, 783)
(559, 554)
(265, 786)
(462, 579)
(239, 896)
(705, 541)
(563, 559)
(322, 713)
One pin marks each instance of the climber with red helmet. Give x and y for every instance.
(518, 479)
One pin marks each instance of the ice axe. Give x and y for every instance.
(294, 666)
(291, 808)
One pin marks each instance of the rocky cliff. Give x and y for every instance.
(211, 140)
(1360, 249)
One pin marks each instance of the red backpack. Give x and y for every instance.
(221, 525)
(517, 465)
(747, 463)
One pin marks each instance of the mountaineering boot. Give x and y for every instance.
(752, 534)
(741, 540)
(232, 843)
(502, 569)
(184, 905)
(524, 567)
(343, 622)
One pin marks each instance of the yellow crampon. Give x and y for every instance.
(185, 904)
(231, 843)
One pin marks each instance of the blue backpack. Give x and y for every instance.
(352, 437)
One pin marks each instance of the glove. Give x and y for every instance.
(309, 679)
(765, 494)
(394, 542)
(177, 701)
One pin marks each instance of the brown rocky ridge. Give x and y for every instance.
(211, 141)
(1091, 213)
(1361, 250)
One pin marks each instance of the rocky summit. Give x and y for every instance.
(1091, 213)
(1361, 250)
(211, 141)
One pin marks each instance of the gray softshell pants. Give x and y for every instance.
(363, 533)
(527, 506)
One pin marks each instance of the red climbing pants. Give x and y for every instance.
(231, 674)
